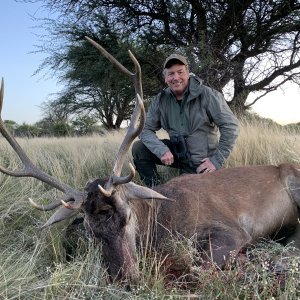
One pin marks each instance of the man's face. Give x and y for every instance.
(177, 78)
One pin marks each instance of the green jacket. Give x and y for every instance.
(211, 127)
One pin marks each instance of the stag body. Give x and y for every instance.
(227, 210)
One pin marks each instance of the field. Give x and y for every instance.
(55, 264)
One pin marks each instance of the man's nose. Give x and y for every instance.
(176, 76)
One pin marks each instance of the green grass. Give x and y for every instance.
(34, 264)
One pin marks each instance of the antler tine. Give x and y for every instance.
(137, 77)
(110, 57)
(138, 114)
(30, 170)
(133, 131)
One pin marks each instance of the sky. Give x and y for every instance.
(24, 92)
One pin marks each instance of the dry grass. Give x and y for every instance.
(260, 144)
(34, 264)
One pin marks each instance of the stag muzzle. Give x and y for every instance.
(121, 260)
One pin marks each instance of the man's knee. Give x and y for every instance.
(138, 150)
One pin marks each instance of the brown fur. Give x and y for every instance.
(228, 210)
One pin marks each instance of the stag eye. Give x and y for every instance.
(104, 212)
(104, 209)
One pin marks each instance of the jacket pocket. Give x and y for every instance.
(197, 144)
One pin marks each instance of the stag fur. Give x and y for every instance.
(227, 210)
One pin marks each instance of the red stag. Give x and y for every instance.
(227, 210)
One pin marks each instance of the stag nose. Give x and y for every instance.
(127, 273)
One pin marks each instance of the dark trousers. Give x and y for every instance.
(145, 162)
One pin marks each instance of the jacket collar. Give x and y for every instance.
(195, 84)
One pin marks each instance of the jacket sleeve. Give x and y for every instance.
(227, 123)
(152, 125)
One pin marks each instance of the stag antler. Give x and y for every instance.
(136, 123)
(30, 170)
(70, 194)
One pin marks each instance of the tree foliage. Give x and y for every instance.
(252, 44)
(10, 125)
(26, 130)
(85, 124)
(93, 85)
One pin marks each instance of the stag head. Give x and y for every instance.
(105, 203)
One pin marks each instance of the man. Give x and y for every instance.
(201, 126)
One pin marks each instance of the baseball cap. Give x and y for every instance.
(173, 58)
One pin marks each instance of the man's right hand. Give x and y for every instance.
(167, 158)
(206, 166)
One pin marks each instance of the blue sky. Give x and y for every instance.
(25, 92)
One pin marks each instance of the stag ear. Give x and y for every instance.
(137, 192)
(61, 214)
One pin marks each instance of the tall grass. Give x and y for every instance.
(261, 144)
(59, 264)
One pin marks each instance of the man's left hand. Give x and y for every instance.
(206, 166)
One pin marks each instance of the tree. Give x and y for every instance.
(61, 129)
(93, 85)
(253, 44)
(27, 130)
(53, 111)
(84, 125)
(11, 126)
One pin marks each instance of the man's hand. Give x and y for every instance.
(206, 166)
(167, 158)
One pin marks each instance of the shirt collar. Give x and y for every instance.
(185, 94)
